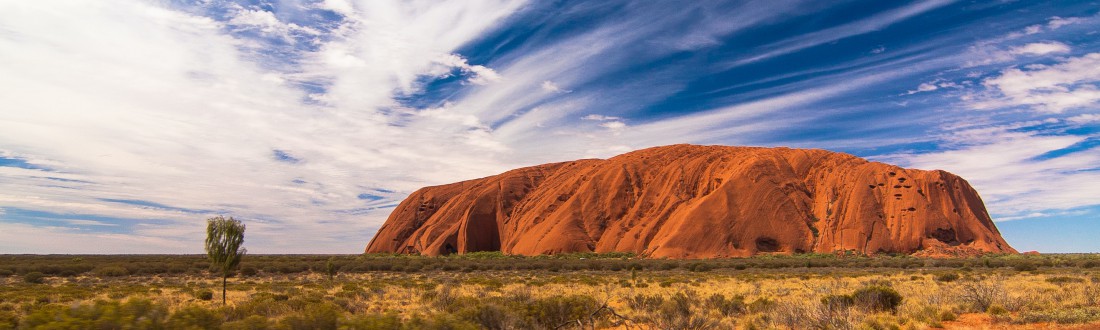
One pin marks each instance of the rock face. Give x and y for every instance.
(687, 201)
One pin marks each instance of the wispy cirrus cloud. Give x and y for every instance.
(130, 121)
(1068, 84)
(165, 106)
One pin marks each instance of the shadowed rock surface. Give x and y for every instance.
(688, 201)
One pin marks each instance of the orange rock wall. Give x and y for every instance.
(687, 201)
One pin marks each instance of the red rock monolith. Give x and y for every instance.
(688, 201)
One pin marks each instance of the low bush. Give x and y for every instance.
(982, 294)
(204, 295)
(727, 306)
(947, 277)
(111, 271)
(996, 310)
(34, 278)
(1065, 280)
(948, 316)
(1024, 267)
(553, 312)
(877, 298)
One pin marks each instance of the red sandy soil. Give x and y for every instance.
(688, 201)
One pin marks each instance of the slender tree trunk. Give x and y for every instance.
(223, 288)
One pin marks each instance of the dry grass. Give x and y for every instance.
(646, 299)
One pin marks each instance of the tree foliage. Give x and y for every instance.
(224, 237)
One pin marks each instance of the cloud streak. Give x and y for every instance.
(129, 122)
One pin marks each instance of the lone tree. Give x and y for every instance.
(224, 237)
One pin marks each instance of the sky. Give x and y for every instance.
(124, 124)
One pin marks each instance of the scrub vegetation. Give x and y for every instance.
(587, 291)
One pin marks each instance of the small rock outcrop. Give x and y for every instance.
(688, 201)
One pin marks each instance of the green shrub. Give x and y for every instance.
(1065, 280)
(727, 306)
(947, 277)
(948, 316)
(877, 298)
(1024, 267)
(204, 295)
(554, 311)
(492, 316)
(679, 312)
(111, 271)
(996, 310)
(700, 267)
(34, 278)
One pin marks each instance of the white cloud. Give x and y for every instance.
(550, 86)
(1054, 88)
(140, 102)
(132, 101)
(1042, 215)
(1033, 29)
(1058, 22)
(613, 125)
(1005, 165)
(1041, 48)
(89, 223)
(1084, 119)
(20, 238)
(859, 27)
(480, 75)
(342, 7)
(267, 23)
(924, 87)
(599, 117)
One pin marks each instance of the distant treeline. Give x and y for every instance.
(123, 265)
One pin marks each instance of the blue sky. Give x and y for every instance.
(126, 123)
